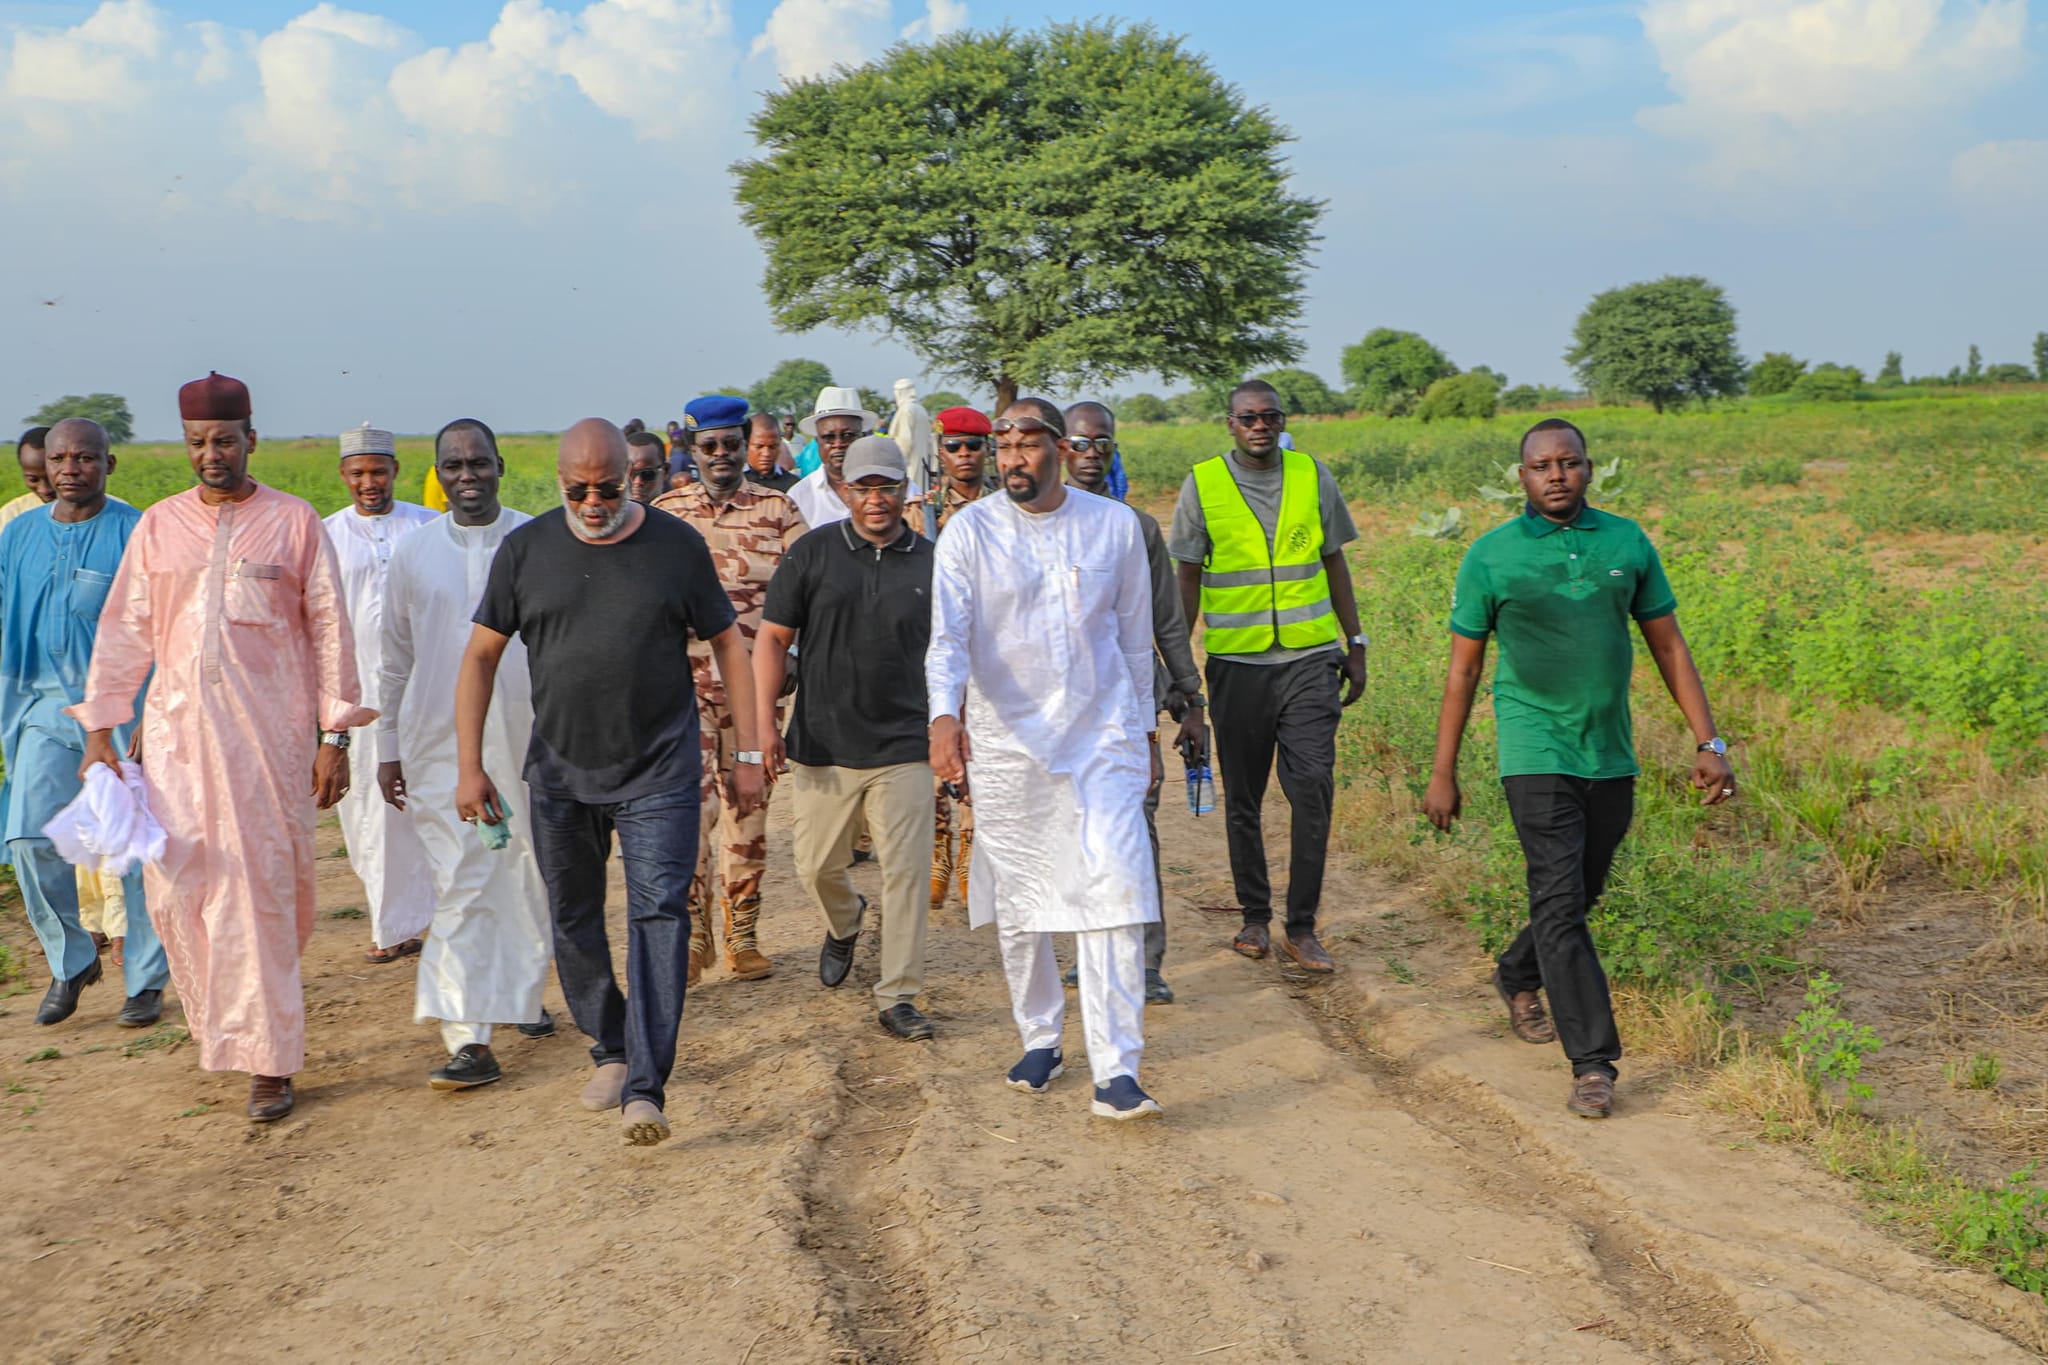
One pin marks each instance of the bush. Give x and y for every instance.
(1829, 384)
(2008, 373)
(1461, 395)
(1144, 407)
(1776, 373)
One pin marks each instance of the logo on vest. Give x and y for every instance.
(1296, 539)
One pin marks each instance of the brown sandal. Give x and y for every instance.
(393, 953)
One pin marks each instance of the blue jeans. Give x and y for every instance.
(658, 845)
(49, 892)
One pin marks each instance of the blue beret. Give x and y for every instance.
(714, 410)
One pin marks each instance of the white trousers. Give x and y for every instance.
(1112, 982)
(456, 1036)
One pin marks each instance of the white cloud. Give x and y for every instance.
(1765, 83)
(619, 47)
(104, 60)
(940, 18)
(810, 37)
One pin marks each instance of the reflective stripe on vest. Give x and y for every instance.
(1255, 595)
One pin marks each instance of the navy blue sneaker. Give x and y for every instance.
(1036, 1073)
(1122, 1100)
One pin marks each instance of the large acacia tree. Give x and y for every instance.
(1046, 208)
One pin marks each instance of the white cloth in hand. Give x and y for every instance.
(107, 827)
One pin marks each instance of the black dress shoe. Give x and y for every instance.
(544, 1029)
(835, 960)
(472, 1066)
(60, 1002)
(906, 1021)
(143, 1009)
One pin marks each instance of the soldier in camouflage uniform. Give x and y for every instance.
(747, 527)
(964, 441)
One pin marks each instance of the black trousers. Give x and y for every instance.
(1261, 712)
(1569, 828)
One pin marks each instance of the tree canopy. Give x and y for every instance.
(1472, 394)
(791, 387)
(1302, 393)
(1665, 341)
(110, 410)
(1053, 209)
(1389, 369)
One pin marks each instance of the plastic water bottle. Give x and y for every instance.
(1201, 789)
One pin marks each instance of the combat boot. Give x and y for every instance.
(942, 865)
(700, 945)
(743, 956)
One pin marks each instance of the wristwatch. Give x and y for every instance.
(752, 756)
(336, 738)
(1362, 641)
(1716, 745)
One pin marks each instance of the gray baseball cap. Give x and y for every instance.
(874, 457)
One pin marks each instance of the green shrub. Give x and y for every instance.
(1472, 394)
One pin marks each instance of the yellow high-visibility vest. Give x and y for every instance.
(1254, 597)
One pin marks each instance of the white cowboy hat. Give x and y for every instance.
(834, 402)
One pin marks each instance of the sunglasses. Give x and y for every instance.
(953, 445)
(645, 475)
(1030, 426)
(1271, 417)
(839, 438)
(1081, 445)
(731, 445)
(608, 491)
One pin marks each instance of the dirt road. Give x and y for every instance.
(1361, 1171)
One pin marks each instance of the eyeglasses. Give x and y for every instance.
(1030, 426)
(646, 475)
(1271, 417)
(731, 445)
(839, 438)
(609, 491)
(1081, 445)
(867, 491)
(953, 445)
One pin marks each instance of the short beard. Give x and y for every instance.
(1028, 495)
(605, 532)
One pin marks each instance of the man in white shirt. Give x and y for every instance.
(487, 958)
(383, 848)
(1040, 681)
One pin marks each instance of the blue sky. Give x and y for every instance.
(403, 212)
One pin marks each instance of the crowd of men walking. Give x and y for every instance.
(948, 647)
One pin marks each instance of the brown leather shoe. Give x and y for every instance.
(270, 1098)
(1253, 941)
(1525, 1013)
(1307, 952)
(1592, 1095)
(748, 963)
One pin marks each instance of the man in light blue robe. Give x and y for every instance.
(56, 566)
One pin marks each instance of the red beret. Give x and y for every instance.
(963, 422)
(215, 398)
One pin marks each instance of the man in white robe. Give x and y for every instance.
(383, 848)
(486, 960)
(1040, 681)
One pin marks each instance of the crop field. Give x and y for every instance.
(1854, 955)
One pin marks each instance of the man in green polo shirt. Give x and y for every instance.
(1559, 585)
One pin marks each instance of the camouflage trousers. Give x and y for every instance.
(740, 841)
(949, 863)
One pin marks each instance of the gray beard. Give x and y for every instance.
(611, 525)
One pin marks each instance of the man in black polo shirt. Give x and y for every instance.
(1559, 586)
(855, 597)
(606, 597)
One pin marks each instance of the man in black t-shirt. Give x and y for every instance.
(606, 597)
(855, 596)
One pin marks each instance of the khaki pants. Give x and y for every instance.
(829, 806)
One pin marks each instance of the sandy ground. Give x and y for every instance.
(1364, 1170)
